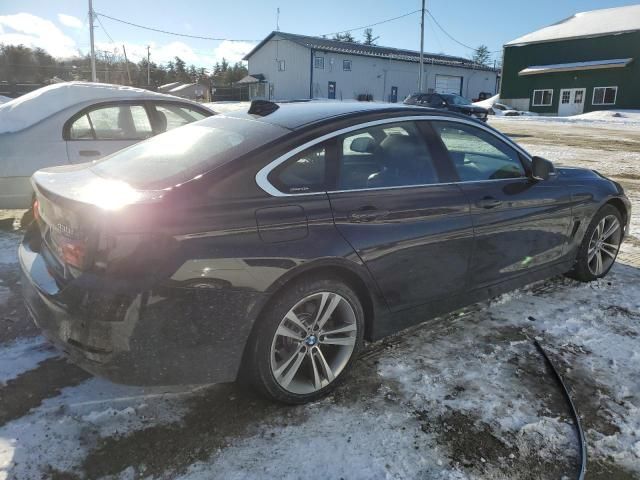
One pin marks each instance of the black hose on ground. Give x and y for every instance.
(581, 440)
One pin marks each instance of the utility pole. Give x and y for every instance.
(126, 62)
(148, 65)
(421, 74)
(93, 52)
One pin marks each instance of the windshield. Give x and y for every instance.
(183, 153)
(456, 99)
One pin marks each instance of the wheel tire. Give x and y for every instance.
(262, 351)
(582, 270)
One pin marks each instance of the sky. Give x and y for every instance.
(61, 26)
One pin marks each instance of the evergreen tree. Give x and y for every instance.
(481, 55)
(369, 39)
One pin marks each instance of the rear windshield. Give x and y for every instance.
(183, 153)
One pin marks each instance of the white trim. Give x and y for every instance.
(533, 96)
(593, 96)
(576, 66)
(263, 173)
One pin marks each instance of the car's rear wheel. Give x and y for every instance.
(306, 341)
(600, 245)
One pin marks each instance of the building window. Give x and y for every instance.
(346, 65)
(318, 62)
(542, 98)
(604, 95)
(281, 66)
(566, 96)
(578, 97)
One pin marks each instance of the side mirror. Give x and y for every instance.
(542, 168)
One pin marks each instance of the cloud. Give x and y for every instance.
(69, 21)
(33, 31)
(233, 51)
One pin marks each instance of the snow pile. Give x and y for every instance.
(488, 103)
(35, 106)
(614, 117)
(4, 99)
(594, 22)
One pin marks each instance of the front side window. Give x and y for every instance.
(303, 173)
(388, 155)
(542, 98)
(605, 95)
(477, 154)
(114, 122)
(318, 62)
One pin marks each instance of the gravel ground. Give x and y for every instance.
(465, 396)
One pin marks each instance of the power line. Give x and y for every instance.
(373, 24)
(200, 37)
(104, 29)
(452, 37)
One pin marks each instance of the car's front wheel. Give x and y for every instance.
(306, 341)
(600, 245)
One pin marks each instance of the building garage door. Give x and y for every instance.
(448, 84)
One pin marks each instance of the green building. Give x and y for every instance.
(590, 61)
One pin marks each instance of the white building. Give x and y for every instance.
(286, 66)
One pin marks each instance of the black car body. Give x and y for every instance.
(155, 265)
(448, 101)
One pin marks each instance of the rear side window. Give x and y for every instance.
(303, 173)
(478, 155)
(113, 122)
(171, 116)
(174, 157)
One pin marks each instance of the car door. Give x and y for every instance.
(520, 223)
(411, 230)
(104, 129)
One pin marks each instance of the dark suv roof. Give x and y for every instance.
(296, 115)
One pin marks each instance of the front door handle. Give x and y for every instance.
(489, 202)
(89, 153)
(367, 214)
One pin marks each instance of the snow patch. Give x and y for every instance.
(23, 355)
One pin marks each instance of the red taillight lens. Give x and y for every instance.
(36, 210)
(73, 252)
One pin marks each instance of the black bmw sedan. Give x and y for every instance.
(450, 102)
(267, 245)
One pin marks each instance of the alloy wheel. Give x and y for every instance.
(313, 343)
(604, 245)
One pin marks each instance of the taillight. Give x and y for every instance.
(36, 210)
(73, 253)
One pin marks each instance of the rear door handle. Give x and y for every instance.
(489, 202)
(89, 153)
(367, 215)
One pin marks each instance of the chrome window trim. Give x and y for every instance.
(263, 173)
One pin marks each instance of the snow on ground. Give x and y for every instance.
(466, 396)
(4, 99)
(614, 117)
(23, 355)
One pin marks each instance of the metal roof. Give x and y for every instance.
(605, 21)
(354, 48)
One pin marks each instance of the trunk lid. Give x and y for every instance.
(72, 207)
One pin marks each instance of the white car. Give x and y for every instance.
(76, 122)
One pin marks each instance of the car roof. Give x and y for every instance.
(297, 115)
(34, 107)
